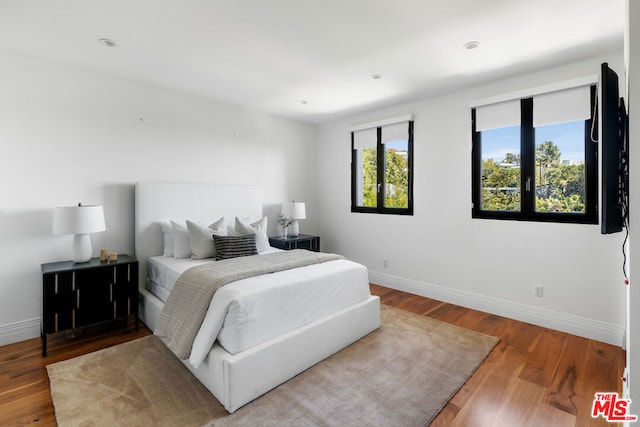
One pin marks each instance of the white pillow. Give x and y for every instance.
(259, 228)
(201, 238)
(167, 233)
(181, 246)
(219, 227)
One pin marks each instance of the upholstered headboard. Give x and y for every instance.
(159, 201)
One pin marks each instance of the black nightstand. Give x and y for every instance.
(301, 241)
(77, 295)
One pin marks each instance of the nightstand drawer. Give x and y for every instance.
(77, 295)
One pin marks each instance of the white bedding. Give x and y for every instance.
(282, 301)
(163, 271)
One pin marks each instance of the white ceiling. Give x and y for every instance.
(271, 55)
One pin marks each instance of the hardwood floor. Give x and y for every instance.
(533, 377)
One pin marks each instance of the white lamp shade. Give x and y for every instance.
(81, 219)
(294, 210)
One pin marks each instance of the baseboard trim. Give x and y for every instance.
(19, 331)
(575, 325)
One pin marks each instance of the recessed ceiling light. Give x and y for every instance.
(471, 45)
(107, 42)
(376, 76)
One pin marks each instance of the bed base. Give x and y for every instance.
(236, 380)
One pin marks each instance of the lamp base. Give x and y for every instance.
(294, 228)
(81, 249)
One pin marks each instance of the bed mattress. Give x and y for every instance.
(251, 311)
(163, 271)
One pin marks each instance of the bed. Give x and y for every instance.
(321, 308)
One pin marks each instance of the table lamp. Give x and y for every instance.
(295, 211)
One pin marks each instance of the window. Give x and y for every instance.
(533, 158)
(382, 168)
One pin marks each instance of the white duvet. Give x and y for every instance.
(248, 312)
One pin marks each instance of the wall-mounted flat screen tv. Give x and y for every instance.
(614, 155)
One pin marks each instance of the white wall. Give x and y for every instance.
(69, 136)
(441, 252)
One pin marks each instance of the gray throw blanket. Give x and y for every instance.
(187, 304)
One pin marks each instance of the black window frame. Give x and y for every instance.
(380, 153)
(527, 163)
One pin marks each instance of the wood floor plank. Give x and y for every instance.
(521, 335)
(446, 416)
(500, 379)
(380, 291)
(475, 320)
(36, 408)
(603, 372)
(544, 358)
(509, 386)
(448, 313)
(521, 405)
(422, 306)
(601, 361)
(569, 375)
(547, 415)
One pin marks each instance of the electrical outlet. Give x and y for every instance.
(385, 263)
(537, 291)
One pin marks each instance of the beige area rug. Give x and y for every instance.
(400, 375)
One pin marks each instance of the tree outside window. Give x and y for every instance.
(542, 172)
(382, 169)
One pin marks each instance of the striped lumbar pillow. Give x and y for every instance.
(234, 246)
